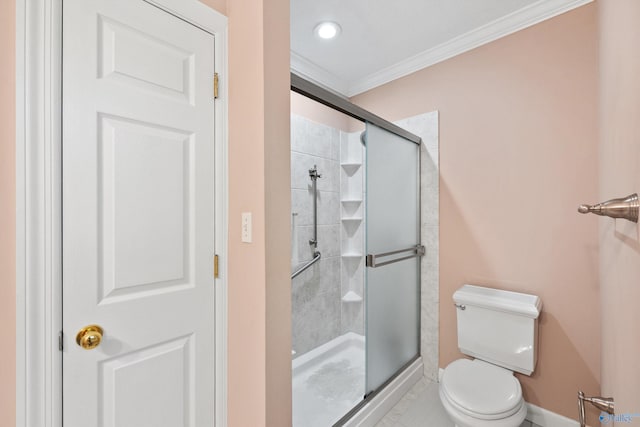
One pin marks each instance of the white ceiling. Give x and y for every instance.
(383, 40)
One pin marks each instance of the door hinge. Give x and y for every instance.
(216, 84)
(215, 266)
(60, 341)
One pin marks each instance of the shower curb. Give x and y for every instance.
(378, 407)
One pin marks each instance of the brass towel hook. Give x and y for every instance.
(624, 207)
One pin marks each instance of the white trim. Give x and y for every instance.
(38, 201)
(382, 403)
(38, 214)
(501, 27)
(318, 75)
(221, 223)
(196, 13)
(545, 418)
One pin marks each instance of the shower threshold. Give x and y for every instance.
(328, 381)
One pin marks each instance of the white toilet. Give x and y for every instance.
(500, 330)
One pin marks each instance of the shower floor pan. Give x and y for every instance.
(328, 381)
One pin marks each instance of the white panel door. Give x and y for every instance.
(138, 212)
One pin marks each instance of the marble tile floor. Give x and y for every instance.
(421, 407)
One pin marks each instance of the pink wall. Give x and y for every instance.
(259, 298)
(246, 320)
(277, 190)
(619, 176)
(536, 156)
(7, 215)
(259, 357)
(518, 153)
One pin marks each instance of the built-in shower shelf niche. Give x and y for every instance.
(351, 167)
(351, 255)
(351, 225)
(355, 202)
(350, 207)
(352, 220)
(351, 297)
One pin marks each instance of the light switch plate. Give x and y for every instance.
(246, 227)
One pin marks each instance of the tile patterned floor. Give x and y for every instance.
(421, 407)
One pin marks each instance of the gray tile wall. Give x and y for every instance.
(316, 294)
(426, 127)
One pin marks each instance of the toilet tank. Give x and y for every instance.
(500, 327)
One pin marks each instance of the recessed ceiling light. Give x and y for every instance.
(327, 30)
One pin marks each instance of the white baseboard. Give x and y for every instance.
(377, 408)
(545, 418)
(539, 416)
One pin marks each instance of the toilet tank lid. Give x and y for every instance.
(495, 299)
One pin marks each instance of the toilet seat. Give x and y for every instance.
(481, 390)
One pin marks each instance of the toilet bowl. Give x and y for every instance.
(478, 394)
(499, 329)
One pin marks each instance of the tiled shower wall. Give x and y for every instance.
(319, 311)
(316, 293)
(426, 126)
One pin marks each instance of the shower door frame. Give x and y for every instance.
(331, 100)
(319, 94)
(419, 252)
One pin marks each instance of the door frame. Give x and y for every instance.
(39, 200)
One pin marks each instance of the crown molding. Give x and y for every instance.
(318, 75)
(508, 24)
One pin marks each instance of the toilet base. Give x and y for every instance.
(464, 420)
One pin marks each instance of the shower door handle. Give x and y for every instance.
(372, 259)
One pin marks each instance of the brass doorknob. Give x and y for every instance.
(89, 337)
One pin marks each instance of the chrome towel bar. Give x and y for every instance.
(372, 259)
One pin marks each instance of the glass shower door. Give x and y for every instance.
(393, 254)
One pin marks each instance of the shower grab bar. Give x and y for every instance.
(372, 259)
(316, 258)
(314, 175)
